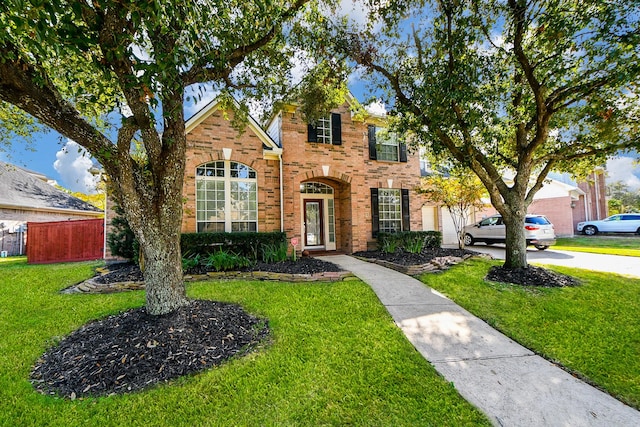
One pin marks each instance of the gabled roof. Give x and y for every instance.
(20, 189)
(214, 106)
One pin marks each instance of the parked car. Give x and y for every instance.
(622, 223)
(538, 231)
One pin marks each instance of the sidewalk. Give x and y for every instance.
(509, 383)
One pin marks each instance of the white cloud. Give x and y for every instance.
(376, 108)
(73, 163)
(624, 169)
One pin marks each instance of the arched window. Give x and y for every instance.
(226, 197)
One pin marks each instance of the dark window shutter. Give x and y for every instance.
(403, 152)
(373, 155)
(312, 133)
(406, 219)
(336, 129)
(375, 213)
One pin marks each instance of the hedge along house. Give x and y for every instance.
(332, 185)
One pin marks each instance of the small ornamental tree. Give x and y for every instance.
(460, 192)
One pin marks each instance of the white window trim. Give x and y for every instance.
(227, 179)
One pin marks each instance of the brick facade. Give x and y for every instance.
(346, 168)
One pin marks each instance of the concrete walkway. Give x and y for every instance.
(506, 381)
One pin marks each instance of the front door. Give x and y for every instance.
(313, 223)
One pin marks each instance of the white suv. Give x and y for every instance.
(538, 231)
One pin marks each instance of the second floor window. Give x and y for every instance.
(385, 145)
(326, 130)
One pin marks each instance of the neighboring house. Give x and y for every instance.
(332, 186)
(27, 196)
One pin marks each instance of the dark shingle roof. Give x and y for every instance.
(21, 189)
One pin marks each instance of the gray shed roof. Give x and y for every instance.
(20, 189)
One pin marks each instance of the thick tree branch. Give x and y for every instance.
(43, 101)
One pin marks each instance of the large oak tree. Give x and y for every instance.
(111, 74)
(512, 89)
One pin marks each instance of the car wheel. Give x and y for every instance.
(590, 230)
(468, 240)
(638, 231)
(541, 247)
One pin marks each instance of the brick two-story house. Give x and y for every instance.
(332, 185)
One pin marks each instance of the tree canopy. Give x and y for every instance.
(512, 89)
(112, 74)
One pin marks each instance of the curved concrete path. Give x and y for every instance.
(509, 383)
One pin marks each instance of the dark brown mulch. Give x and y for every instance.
(134, 350)
(530, 276)
(407, 258)
(128, 272)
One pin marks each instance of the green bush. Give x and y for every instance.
(244, 244)
(275, 252)
(225, 261)
(121, 240)
(410, 241)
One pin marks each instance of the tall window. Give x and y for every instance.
(390, 209)
(226, 197)
(323, 130)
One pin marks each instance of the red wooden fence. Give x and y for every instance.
(65, 241)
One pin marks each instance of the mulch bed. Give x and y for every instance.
(531, 276)
(134, 350)
(129, 272)
(407, 258)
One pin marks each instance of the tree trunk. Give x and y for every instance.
(164, 283)
(516, 243)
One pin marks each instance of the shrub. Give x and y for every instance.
(224, 261)
(121, 240)
(275, 252)
(244, 244)
(410, 241)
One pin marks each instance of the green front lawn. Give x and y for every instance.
(610, 245)
(593, 329)
(336, 358)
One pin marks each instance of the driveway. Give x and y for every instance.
(625, 265)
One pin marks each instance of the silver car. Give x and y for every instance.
(538, 231)
(623, 223)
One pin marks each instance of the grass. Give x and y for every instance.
(610, 245)
(593, 329)
(335, 358)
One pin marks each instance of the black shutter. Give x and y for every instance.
(403, 152)
(406, 219)
(312, 133)
(373, 155)
(375, 213)
(336, 129)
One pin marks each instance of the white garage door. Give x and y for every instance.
(448, 229)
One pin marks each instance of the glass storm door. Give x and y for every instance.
(313, 223)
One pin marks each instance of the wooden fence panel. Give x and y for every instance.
(65, 241)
